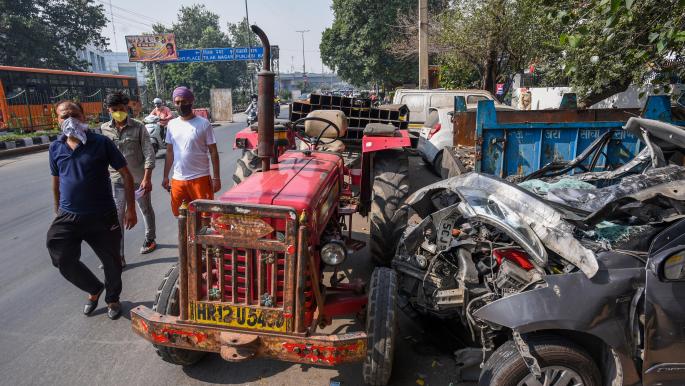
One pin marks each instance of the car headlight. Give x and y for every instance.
(333, 253)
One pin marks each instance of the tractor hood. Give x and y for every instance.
(297, 181)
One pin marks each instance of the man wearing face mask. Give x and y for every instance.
(133, 140)
(85, 209)
(189, 140)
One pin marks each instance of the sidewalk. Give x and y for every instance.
(25, 145)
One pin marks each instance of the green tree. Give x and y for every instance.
(608, 45)
(197, 27)
(357, 45)
(48, 33)
(490, 40)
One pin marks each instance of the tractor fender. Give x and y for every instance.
(245, 139)
(377, 143)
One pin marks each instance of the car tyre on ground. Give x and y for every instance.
(166, 303)
(381, 326)
(561, 361)
(390, 186)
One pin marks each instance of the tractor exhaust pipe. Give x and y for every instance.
(265, 104)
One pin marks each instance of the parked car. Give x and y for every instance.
(437, 133)
(419, 101)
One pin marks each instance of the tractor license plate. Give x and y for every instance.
(238, 316)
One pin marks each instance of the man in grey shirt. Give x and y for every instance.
(133, 140)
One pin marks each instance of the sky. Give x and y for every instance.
(278, 18)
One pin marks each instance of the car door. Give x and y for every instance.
(664, 355)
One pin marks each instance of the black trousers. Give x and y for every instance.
(102, 233)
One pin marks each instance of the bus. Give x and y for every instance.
(28, 95)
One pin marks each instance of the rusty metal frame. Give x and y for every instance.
(321, 349)
(296, 344)
(195, 239)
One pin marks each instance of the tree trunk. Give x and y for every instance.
(490, 73)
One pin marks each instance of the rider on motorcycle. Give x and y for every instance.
(252, 105)
(164, 114)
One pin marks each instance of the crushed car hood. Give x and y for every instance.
(546, 222)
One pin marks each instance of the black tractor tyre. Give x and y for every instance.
(437, 165)
(506, 367)
(247, 164)
(390, 186)
(381, 327)
(166, 303)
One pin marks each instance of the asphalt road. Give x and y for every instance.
(45, 339)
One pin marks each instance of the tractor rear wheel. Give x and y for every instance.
(247, 164)
(381, 327)
(390, 188)
(166, 303)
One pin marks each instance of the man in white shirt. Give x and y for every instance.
(189, 139)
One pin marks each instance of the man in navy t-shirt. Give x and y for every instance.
(85, 209)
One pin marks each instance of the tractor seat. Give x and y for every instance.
(314, 128)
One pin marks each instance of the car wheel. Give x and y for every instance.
(562, 363)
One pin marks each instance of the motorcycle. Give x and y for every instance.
(155, 130)
(251, 116)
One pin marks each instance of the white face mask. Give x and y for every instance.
(72, 127)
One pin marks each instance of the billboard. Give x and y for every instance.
(151, 48)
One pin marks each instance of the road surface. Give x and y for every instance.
(45, 339)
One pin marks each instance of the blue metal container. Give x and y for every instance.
(505, 149)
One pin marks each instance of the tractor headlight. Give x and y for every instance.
(333, 253)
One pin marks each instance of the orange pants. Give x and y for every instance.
(189, 190)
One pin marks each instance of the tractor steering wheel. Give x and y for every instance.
(312, 142)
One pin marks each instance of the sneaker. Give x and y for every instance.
(148, 246)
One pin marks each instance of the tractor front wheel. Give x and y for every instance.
(247, 164)
(381, 327)
(390, 188)
(166, 303)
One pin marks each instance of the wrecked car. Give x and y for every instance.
(571, 279)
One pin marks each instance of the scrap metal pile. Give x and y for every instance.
(476, 238)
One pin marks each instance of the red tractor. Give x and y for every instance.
(249, 281)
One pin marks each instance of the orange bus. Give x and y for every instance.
(28, 95)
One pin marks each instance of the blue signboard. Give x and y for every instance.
(242, 53)
(189, 55)
(219, 54)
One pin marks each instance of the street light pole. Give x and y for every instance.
(304, 69)
(249, 48)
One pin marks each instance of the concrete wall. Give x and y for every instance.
(543, 98)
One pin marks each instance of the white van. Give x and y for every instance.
(419, 101)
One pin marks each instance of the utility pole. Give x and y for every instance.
(249, 49)
(423, 44)
(304, 69)
(114, 30)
